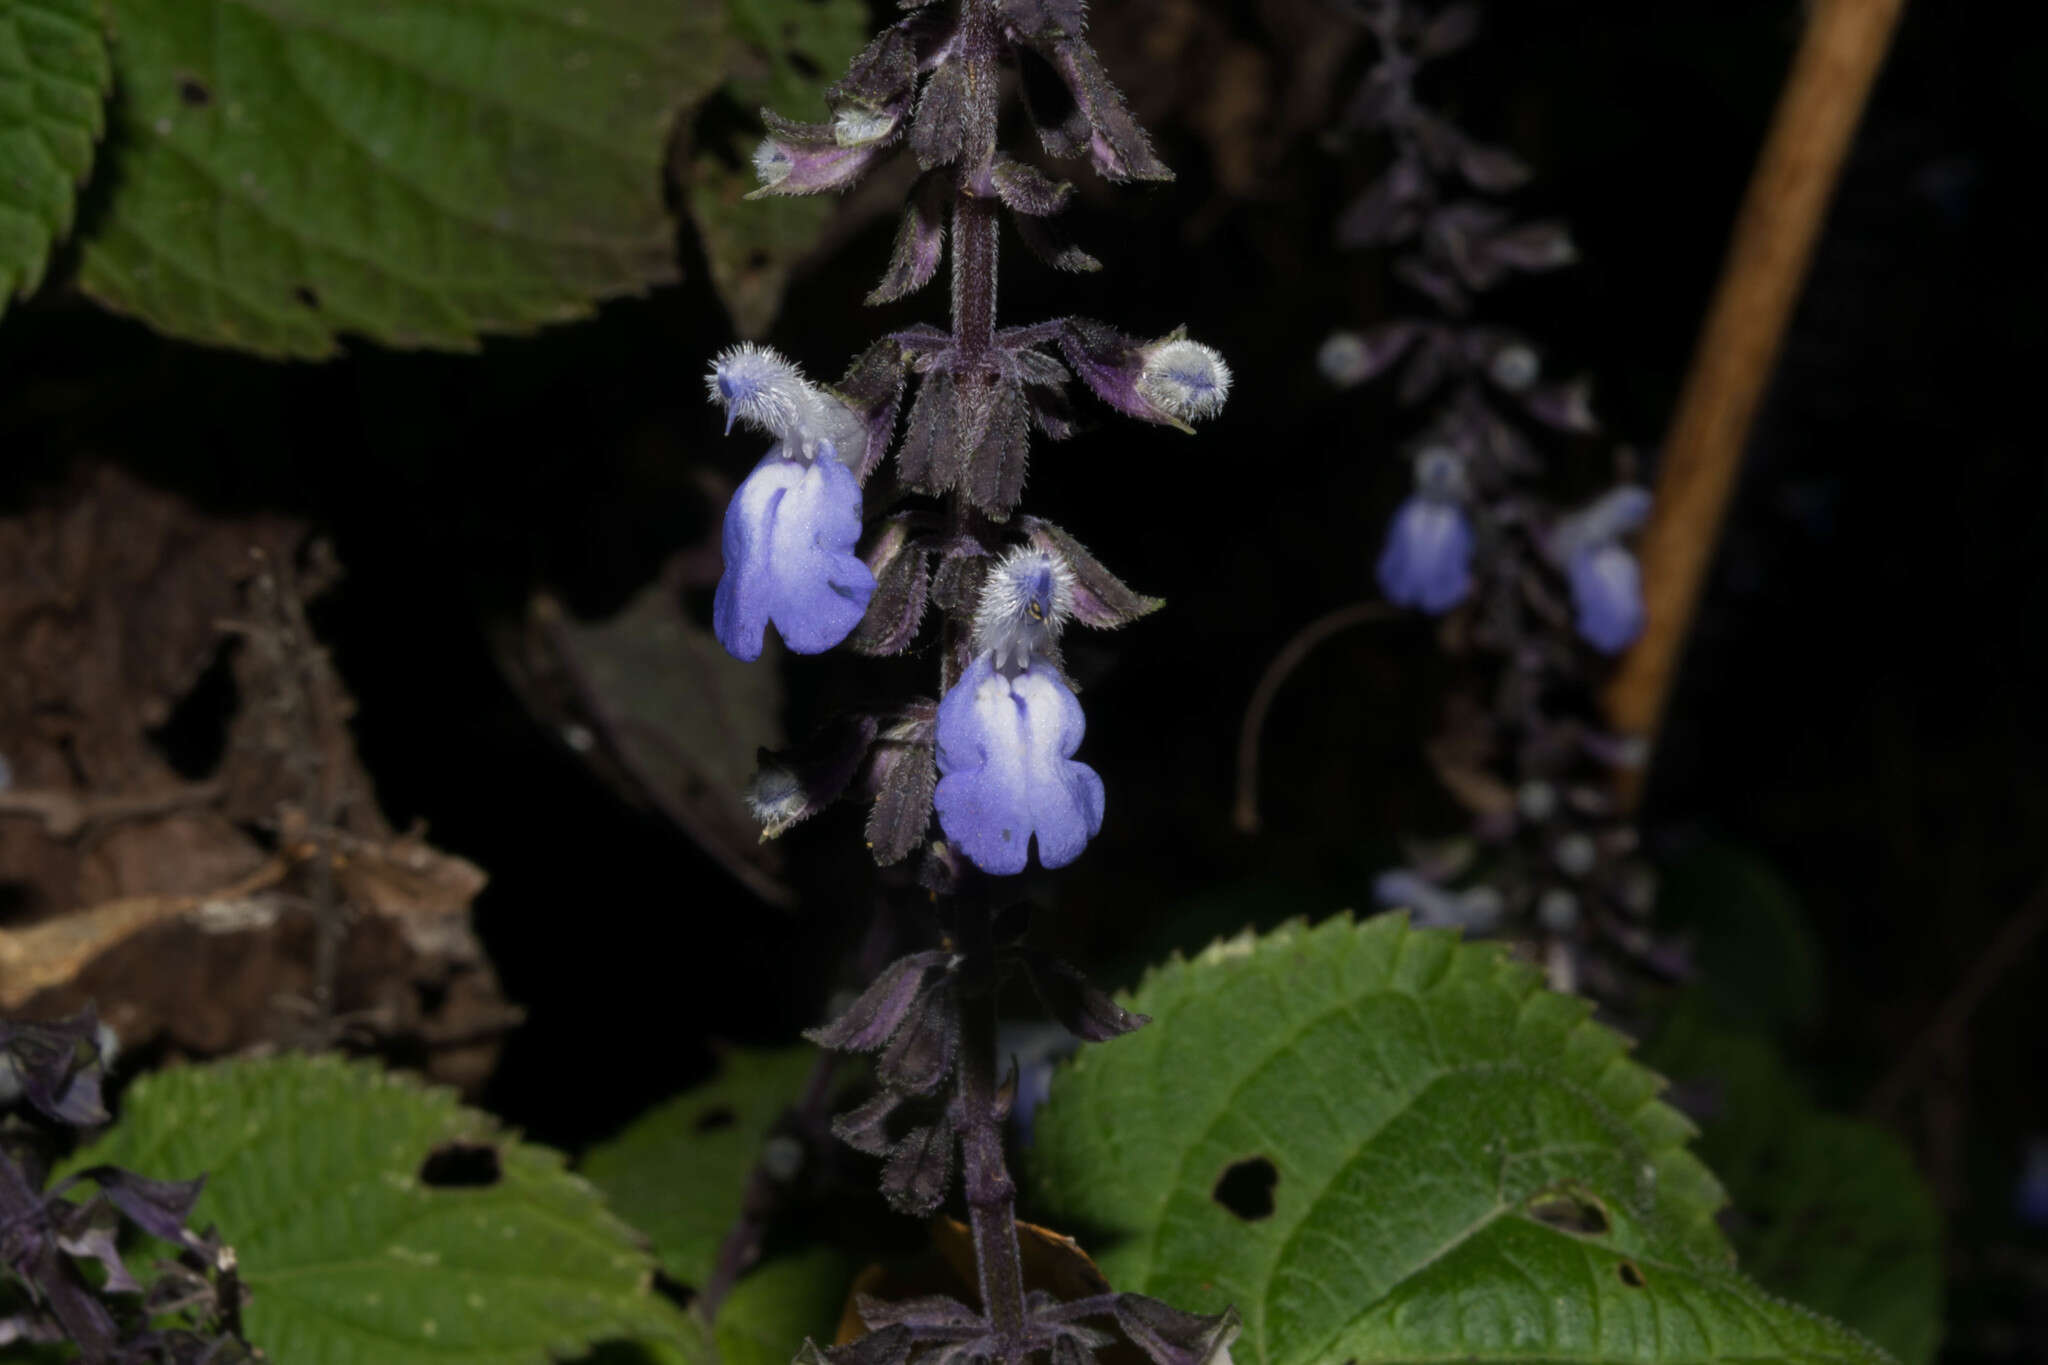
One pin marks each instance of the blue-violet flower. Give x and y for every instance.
(1607, 596)
(791, 528)
(1008, 729)
(1428, 555)
(1606, 583)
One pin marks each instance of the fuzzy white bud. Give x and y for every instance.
(1343, 359)
(1514, 367)
(856, 126)
(1575, 855)
(771, 163)
(1558, 910)
(1184, 379)
(1025, 601)
(758, 385)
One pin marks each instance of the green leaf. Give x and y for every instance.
(314, 1176)
(784, 54)
(54, 77)
(1824, 1209)
(679, 1171)
(419, 172)
(769, 1313)
(1465, 1166)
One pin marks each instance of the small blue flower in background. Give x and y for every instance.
(1606, 582)
(1427, 562)
(1008, 729)
(1476, 911)
(1607, 595)
(791, 529)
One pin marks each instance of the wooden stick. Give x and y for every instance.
(1781, 218)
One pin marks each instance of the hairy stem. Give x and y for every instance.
(985, 1178)
(974, 205)
(991, 1193)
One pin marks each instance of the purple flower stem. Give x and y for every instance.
(985, 1180)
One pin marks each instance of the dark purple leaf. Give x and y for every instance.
(920, 240)
(902, 773)
(866, 1129)
(927, 461)
(873, 388)
(1534, 247)
(937, 132)
(1567, 407)
(807, 158)
(1075, 1005)
(880, 1011)
(927, 1310)
(920, 1056)
(1109, 363)
(1116, 144)
(902, 573)
(996, 464)
(1028, 190)
(890, 1346)
(1172, 1337)
(917, 1173)
(1049, 242)
(1101, 599)
(1493, 169)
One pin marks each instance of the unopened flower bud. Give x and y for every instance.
(1343, 359)
(1184, 379)
(857, 125)
(1514, 367)
(1558, 910)
(1536, 800)
(1025, 601)
(1575, 855)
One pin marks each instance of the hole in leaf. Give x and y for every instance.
(717, 1117)
(1570, 1211)
(1246, 1188)
(461, 1166)
(193, 91)
(1631, 1275)
(304, 294)
(193, 738)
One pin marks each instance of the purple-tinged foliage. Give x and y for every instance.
(1482, 534)
(950, 1330)
(192, 1312)
(993, 758)
(1072, 1003)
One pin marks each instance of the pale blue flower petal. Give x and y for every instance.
(790, 533)
(1007, 775)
